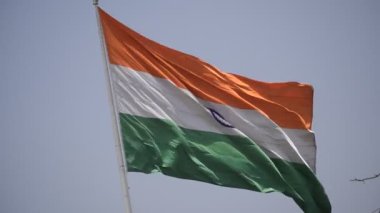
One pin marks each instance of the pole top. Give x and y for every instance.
(95, 2)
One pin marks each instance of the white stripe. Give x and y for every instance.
(141, 94)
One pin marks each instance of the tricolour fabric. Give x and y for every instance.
(185, 118)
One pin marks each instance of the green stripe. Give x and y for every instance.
(155, 145)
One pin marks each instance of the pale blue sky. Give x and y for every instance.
(57, 151)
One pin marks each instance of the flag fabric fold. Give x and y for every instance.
(185, 118)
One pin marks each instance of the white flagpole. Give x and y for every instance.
(116, 122)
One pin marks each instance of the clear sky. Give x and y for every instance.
(57, 151)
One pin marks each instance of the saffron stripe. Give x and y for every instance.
(288, 104)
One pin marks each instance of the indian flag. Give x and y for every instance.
(185, 118)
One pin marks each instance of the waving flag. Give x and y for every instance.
(185, 118)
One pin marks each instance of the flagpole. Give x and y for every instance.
(116, 124)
